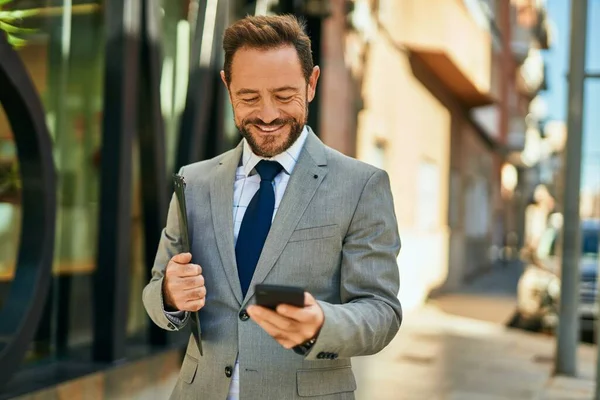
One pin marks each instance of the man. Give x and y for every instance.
(281, 208)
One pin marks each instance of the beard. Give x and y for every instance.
(270, 146)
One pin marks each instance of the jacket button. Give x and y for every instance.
(321, 355)
(244, 315)
(228, 371)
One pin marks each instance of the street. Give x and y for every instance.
(441, 355)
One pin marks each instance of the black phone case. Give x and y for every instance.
(271, 296)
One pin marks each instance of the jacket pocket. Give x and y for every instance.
(325, 381)
(318, 232)
(188, 369)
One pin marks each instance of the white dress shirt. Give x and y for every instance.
(246, 184)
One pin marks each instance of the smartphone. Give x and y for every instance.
(271, 296)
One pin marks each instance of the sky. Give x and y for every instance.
(557, 62)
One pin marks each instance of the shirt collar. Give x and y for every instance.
(287, 159)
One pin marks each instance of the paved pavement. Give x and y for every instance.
(491, 297)
(439, 356)
(457, 347)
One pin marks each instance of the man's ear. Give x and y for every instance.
(223, 79)
(312, 82)
(225, 83)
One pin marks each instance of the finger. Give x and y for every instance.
(195, 294)
(309, 300)
(187, 283)
(287, 339)
(182, 270)
(194, 306)
(192, 282)
(186, 270)
(273, 318)
(182, 258)
(177, 284)
(275, 332)
(295, 314)
(307, 314)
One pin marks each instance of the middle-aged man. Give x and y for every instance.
(280, 208)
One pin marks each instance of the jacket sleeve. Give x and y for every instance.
(152, 296)
(370, 314)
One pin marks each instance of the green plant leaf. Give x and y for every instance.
(14, 29)
(19, 14)
(7, 16)
(16, 42)
(4, 2)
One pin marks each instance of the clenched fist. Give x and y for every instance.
(183, 287)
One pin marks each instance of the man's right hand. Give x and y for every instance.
(183, 286)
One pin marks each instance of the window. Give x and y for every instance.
(64, 56)
(175, 66)
(10, 206)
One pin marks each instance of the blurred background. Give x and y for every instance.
(482, 111)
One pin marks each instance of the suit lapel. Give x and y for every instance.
(304, 182)
(221, 200)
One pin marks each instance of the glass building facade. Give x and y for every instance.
(128, 91)
(61, 48)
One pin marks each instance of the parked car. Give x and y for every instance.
(538, 290)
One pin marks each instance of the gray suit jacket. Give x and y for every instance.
(335, 234)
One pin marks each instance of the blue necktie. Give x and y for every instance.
(256, 223)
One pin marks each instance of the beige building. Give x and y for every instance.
(427, 88)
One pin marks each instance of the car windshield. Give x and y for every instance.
(589, 242)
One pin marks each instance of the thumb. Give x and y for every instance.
(309, 300)
(182, 258)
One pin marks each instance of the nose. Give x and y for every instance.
(268, 112)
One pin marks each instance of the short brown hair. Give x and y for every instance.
(268, 32)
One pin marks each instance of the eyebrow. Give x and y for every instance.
(276, 90)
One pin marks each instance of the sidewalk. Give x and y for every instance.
(491, 297)
(439, 356)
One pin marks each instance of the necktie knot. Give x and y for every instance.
(268, 170)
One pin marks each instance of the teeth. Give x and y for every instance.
(268, 129)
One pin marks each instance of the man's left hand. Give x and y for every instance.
(290, 326)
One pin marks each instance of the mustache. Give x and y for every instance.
(275, 122)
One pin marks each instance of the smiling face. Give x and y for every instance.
(270, 95)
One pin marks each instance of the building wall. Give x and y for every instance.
(403, 120)
(442, 26)
(414, 124)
